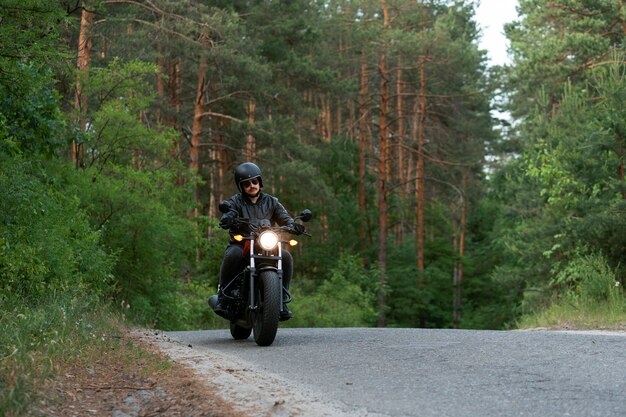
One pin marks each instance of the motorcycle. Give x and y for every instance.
(255, 296)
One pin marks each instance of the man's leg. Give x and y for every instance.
(232, 265)
(286, 314)
(287, 268)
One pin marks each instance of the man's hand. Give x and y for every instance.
(227, 221)
(298, 228)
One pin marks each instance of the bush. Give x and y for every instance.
(346, 299)
(142, 221)
(46, 244)
(590, 279)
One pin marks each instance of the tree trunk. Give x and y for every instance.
(339, 113)
(196, 129)
(338, 101)
(455, 271)
(458, 264)
(82, 63)
(173, 101)
(250, 140)
(399, 148)
(174, 93)
(363, 112)
(383, 174)
(214, 151)
(420, 180)
(329, 117)
(160, 82)
(325, 118)
(351, 119)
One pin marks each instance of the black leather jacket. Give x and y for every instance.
(266, 207)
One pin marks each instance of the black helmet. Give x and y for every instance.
(246, 171)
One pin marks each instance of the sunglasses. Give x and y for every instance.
(246, 183)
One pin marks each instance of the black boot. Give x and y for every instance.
(219, 306)
(286, 314)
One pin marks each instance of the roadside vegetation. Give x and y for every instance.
(39, 341)
(591, 297)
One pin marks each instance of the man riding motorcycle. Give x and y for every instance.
(252, 204)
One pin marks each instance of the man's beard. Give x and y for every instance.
(253, 195)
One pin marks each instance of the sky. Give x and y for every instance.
(492, 15)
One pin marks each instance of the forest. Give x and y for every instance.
(121, 122)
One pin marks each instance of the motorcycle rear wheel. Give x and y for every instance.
(238, 332)
(268, 313)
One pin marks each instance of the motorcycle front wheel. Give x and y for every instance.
(268, 313)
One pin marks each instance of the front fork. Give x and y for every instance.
(253, 272)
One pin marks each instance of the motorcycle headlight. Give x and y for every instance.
(268, 240)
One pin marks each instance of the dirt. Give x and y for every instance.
(168, 378)
(149, 384)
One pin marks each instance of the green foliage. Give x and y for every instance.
(555, 42)
(129, 191)
(138, 215)
(30, 119)
(565, 193)
(197, 313)
(590, 296)
(46, 244)
(120, 92)
(576, 156)
(589, 278)
(29, 39)
(212, 241)
(346, 298)
(420, 301)
(490, 295)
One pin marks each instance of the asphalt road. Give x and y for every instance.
(420, 372)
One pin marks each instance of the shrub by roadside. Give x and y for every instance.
(590, 297)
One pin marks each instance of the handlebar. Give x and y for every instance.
(306, 215)
(254, 227)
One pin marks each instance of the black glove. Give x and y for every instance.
(298, 228)
(227, 221)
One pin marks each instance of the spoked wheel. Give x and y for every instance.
(266, 317)
(238, 332)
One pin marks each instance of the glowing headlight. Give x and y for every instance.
(268, 240)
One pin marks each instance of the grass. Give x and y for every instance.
(39, 341)
(576, 314)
